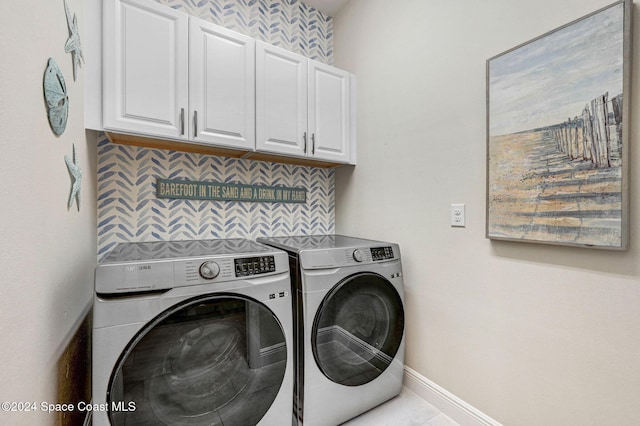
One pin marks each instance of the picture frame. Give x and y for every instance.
(557, 135)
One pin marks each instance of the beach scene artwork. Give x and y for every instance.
(555, 136)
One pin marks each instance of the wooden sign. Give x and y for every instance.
(193, 190)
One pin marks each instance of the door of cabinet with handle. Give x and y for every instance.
(221, 85)
(146, 87)
(329, 112)
(281, 101)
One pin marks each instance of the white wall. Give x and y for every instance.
(47, 253)
(529, 334)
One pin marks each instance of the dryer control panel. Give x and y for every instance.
(348, 256)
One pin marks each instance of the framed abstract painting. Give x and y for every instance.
(557, 135)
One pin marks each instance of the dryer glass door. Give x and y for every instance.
(207, 361)
(358, 329)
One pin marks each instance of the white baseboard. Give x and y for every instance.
(452, 406)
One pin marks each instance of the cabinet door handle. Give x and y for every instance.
(195, 124)
(313, 144)
(182, 121)
(304, 137)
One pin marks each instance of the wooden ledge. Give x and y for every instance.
(148, 142)
(275, 158)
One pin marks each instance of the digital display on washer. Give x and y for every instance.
(381, 253)
(255, 265)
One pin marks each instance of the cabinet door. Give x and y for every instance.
(221, 86)
(281, 101)
(329, 112)
(145, 68)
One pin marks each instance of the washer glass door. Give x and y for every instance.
(211, 360)
(358, 329)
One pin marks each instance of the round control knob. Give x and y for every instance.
(209, 270)
(358, 256)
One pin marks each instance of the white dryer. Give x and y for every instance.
(193, 333)
(349, 309)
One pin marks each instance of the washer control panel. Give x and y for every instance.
(254, 265)
(381, 253)
(223, 263)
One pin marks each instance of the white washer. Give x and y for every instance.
(349, 310)
(193, 332)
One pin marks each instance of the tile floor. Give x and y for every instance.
(406, 409)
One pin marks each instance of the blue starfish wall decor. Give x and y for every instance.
(76, 176)
(73, 43)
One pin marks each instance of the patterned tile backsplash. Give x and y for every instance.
(128, 210)
(289, 24)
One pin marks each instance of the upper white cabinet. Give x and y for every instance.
(165, 77)
(221, 85)
(303, 107)
(281, 101)
(145, 68)
(329, 112)
(174, 76)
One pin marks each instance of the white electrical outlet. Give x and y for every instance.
(457, 215)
